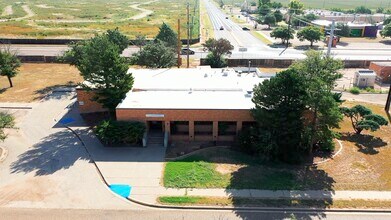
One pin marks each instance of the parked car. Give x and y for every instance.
(221, 28)
(245, 28)
(226, 17)
(184, 51)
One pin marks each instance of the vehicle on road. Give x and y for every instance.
(245, 28)
(221, 28)
(184, 51)
(226, 17)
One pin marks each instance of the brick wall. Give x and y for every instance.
(85, 103)
(383, 71)
(184, 115)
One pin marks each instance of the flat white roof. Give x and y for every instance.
(322, 22)
(198, 88)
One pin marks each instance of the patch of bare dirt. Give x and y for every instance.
(225, 168)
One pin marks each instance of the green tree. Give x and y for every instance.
(140, 41)
(263, 2)
(253, 3)
(295, 7)
(387, 21)
(263, 10)
(9, 65)
(379, 10)
(269, 20)
(386, 32)
(102, 67)
(343, 30)
(278, 15)
(310, 33)
(362, 118)
(284, 33)
(118, 38)
(363, 10)
(320, 73)
(280, 116)
(155, 55)
(6, 121)
(168, 36)
(276, 5)
(217, 49)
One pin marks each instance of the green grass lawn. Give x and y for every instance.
(199, 171)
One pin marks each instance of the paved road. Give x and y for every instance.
(179, 214)
(257, 49)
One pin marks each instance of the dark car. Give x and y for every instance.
(221, 28)
(226, 17)
(184, 51)
(245, 28)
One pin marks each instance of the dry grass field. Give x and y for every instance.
(34, 81)
(84, 18)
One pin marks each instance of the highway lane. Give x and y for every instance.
(257, 49)
(163, 214)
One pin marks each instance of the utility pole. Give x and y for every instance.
(188, 34)
(331, 38)
(289, 27)
(179, 44)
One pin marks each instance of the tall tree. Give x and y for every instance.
(362, 118)
(320, 73)
(154, 55)
(105, 71)
(295, 7)
(279, 108)
(116, 37)
(283, 32)
(278, 15)
(217, 49)
(269, 20)
(9, 64)
(386, 32)
(168, 36)
(310, 33)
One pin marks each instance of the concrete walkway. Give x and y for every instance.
(139, 167)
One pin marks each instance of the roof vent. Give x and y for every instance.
(206, 75)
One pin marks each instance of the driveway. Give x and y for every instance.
(139, 167)
(47, 167)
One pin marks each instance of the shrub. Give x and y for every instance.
(355, 90)
(120, 132)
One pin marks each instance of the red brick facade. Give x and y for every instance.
(85, 103)
(383, 71)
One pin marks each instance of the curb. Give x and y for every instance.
(270, 209)
(4, 154)
(10, 107)
(332, 156)
(219, 208)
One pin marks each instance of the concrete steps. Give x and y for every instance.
(155, 140)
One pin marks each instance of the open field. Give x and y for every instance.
(35, 81)
(84, 18)
(363, 164)
(327, 4)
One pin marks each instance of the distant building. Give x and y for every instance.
(356, 29)
(383, 70)
(364, 78)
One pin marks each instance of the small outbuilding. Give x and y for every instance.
(364, 78)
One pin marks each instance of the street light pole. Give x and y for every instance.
(331, 38)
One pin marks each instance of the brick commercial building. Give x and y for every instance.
(383, 70)
(201, 104)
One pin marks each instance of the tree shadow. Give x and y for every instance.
(290, 181)
(308, 47)
(342, 43)
(365, 143)
(386, 42)
(59, 91)
(4, 90)
(55, 152)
